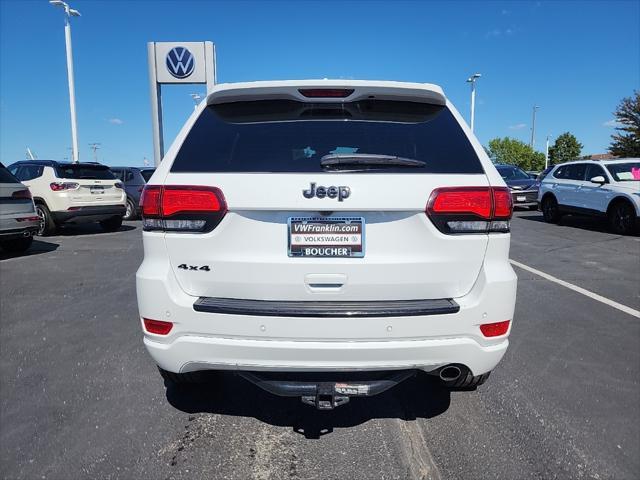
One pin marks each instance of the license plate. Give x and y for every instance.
(521, 198)
(97, 190)
(326, 237)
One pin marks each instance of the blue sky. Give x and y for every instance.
(574, 59)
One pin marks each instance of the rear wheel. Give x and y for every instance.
(47, 225)
(622, 217)
(467, 380)
(130, 214)
(17, 245)
(550, 210)
(111, 224)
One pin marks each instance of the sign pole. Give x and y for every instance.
(176, 63)
(155, 90)
(210, 57)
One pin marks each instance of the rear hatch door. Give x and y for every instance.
(269, 160)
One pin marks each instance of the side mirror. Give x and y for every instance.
(599, 180)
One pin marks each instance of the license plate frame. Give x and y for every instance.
(345, 249)
(521, 198)
(96, 190)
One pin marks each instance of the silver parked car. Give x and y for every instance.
(18, 218)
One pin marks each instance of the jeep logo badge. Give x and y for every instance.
(340, 193)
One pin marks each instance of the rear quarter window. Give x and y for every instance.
(290, 136)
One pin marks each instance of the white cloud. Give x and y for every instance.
(505, 11)
(517, 126)
(115, 121)
(496, 32)
(611, 124)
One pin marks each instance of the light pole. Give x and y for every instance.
(533, 127)
(546, 153)
(196, 99)
(68, 13)
(472, 80)
(95, 147)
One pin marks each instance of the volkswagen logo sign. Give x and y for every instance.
(180, 62)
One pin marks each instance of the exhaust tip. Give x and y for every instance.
(449, 373)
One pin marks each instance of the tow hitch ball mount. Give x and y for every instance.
(326, 397)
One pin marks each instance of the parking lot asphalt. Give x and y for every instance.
(80, 397)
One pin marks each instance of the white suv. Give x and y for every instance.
(326, 239)
(73, 193)
(609, 189)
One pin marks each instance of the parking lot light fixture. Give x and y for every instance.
(68, 13)
(472, 80)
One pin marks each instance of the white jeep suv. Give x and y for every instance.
(609, 189)
(72, 193)
(326, 239)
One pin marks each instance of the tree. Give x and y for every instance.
(626, 143)
(514, 152)
(565, 148)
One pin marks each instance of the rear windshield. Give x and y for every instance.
(6, 177)
(291, 136)
(98, 172)
(513, 173)
(624, 172)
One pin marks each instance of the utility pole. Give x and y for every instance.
(95, 147)
(472, 80)
(533, 127)
(68, 13)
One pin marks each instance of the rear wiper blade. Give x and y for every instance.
(367, 159)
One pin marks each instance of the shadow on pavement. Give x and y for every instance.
(37, 247)
(229, 394)
(593, 224)
(88, 229)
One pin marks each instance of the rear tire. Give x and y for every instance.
(622, 217)
(47, 225)
(131, 213)
(111, 224)
(550, 209)
(467, 381)
(17, 245)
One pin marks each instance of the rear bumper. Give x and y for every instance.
(231, 341)
(526, 198)
(89, 214)
(13, 234)
(192, 353)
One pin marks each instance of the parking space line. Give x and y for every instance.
(575, 288)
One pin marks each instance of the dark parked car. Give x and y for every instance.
(524, 189)
(134, 180)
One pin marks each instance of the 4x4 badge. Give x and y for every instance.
(340, 193)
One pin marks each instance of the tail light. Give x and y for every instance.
(470, 209)
(325, 92)
(25, 193)
(495, 329)
(61, 186)
(157, 326)
(178, 208)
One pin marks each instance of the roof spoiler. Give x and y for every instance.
(352, 91)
